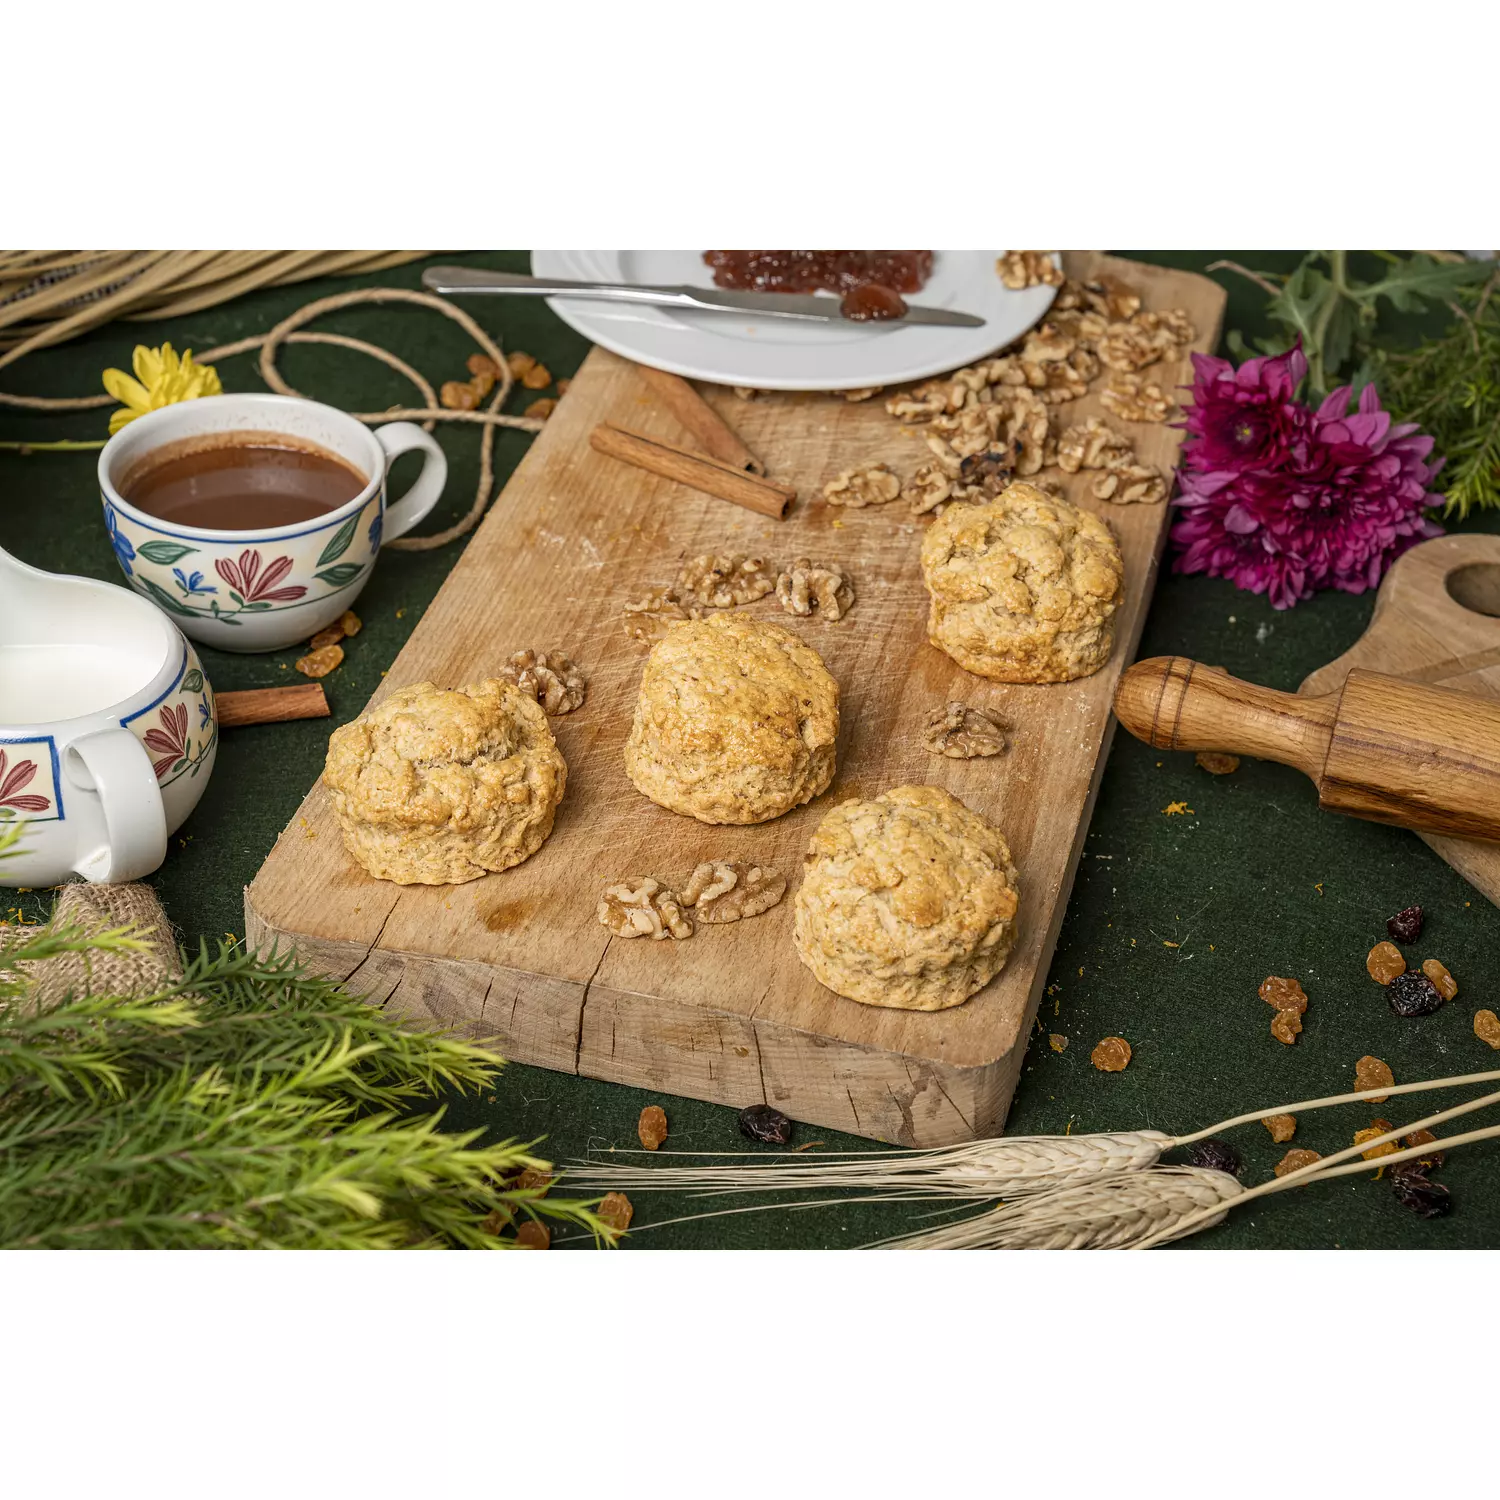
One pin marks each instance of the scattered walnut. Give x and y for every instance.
(1217, 762)
(748, 392)
(1144, 339)
(927, 489)
(330, 636)
(350, 623)
(720, 580)
(1020, 269)
(321, 662)
(550, 677)
(1091, 445)
(1133, 398)
(643, 907)
(1283, 994)
(990, 471)
(1487, 1027)
(863, 393)
(533, 1235)
(1442, 981)
(1371, 1073)
(865, 484)
(961, 732)
(1282, 1127)
(1385, 962)
(542, 409)
(537, 378)
(617, 1211)
(919, 405)
(1110, 298)
(1130, 484)
(648, 617)
(458, 395)
(808, 587)
(728, 891)
(1373, 1131)
(1112, 1055)
(1295, 1160)
(519, 364)
(1285, 1025)
(651, 1128)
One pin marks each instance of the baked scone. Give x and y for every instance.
(1023, 589)
(735, 722)
(441, 785)
(907, 901)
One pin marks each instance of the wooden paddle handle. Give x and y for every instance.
(1383, 748)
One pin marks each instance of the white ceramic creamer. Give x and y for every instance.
(107, 728)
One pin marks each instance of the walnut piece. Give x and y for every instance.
(927, 489)
(720, 580)
(863, 393)
(1092, 445)
(727, 891)
(961, 732)
(1133, 398)
(989, 472)
(1129, 483)
(643, 907)
(865, 484)
(548, 676)
(808, 587)
(647, 618)
(1020, 269)
(1144, 339)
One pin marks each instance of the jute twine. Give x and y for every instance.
(98, 908)
(428, 414)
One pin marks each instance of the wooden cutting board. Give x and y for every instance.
(1437, 620)
(729, 1015)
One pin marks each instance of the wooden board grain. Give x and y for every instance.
(1421, 630)
(730, 1015)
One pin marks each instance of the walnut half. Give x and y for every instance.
(961, 732)
(1133, 398)
(549, 677)
(647, 618)
(1020, 269)
(808, 587)
(727, 891)
(723, 579)
(643, 907)
(865, 484)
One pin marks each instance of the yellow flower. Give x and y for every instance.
(162, 380)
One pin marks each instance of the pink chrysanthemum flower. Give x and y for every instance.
(1284, 501)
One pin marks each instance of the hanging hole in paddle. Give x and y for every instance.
(1476, 587)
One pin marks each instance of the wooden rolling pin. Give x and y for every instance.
(1383, 748)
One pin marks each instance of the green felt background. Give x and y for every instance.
(1255, 881)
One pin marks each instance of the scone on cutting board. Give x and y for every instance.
(908, 900)
(1023, 589)
(435, 786)
(736, 721)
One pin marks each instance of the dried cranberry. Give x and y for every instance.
(1218, 1156)
(759, 1122)
(1414, 1190)
(1406, 926)
(1413, 994)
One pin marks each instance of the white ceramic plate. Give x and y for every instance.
(776, 355)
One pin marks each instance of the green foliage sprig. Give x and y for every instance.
(249, 1104)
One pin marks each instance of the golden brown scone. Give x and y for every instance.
(440, 785)
(1023, 589)
(907, 901)
(735, 723)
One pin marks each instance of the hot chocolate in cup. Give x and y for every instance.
(228, 512)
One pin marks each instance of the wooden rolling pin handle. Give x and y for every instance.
(1176, 704)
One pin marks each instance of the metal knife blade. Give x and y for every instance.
(820, 309)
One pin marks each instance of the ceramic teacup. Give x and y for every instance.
(108, 730)
(263, 589)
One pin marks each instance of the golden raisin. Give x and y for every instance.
(1057, 1043)
(482, 364)
(1442, 981)
(1285, 1026)
(330, 636)
(537, 378)
(321, 662)
(617, 1211)
(533, 1181)
(563, 386)
(542, 409)
(1371, 1073)
(1487, 1027)
(350, 623)
(1373, 1131)
(1283, 994)
(519, 364)
(1385, 963)
(652, 1126)
(533, 1236)
(1295, 1160)
(1217, 763)
(458, 395)
(1433, 1159)
(1112, 1055)
(1282, 1127)
(495, 1220)
(482, 385)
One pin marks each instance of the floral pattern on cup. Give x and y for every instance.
(16, 774)
(199, 578)
(181, 728)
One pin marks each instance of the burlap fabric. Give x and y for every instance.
(98, 908)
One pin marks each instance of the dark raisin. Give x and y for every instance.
(759, 1122)
(1406, 926)
(991, 470)
(1413, 1190)
(1413, 994)
(1218, 1156)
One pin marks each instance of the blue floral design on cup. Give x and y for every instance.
(124, 548)
(376, 527)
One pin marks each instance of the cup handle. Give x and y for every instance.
(114, 763)
(413, 506)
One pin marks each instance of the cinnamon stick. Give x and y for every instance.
(713, 434)
(696, 470)
(277, 705)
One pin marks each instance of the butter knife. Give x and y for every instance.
(457, 281)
